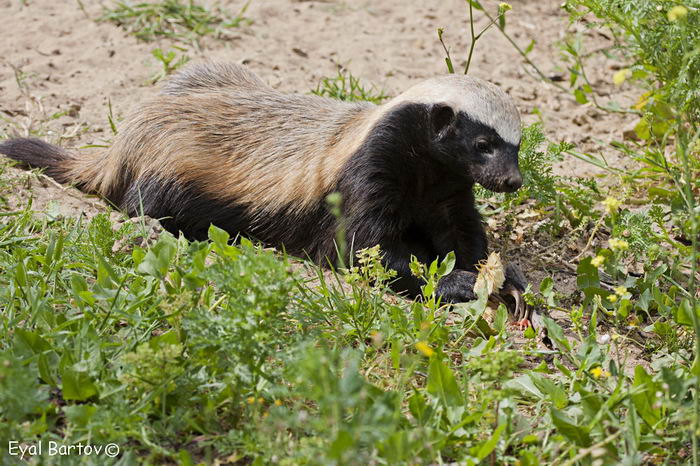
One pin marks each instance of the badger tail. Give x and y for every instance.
(35, 153)
(57, 163)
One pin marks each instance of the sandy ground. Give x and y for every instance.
(56, 58)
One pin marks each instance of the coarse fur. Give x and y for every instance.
(219, 146)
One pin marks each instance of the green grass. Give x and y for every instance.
(169, 61)
(176, 19)
(345, 86)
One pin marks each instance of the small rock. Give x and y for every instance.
(300, 52)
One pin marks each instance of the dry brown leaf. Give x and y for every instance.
(491, 274)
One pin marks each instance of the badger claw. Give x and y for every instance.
(511, 295)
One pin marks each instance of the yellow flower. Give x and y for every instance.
(618, 244)
(424, 348)
(251, 400)
(620, 291)
(612, 298)
(677, 12)
(503, 6)
(600, 373)
(597, 261)
(621, 76)
(611, 205)
(278, 402)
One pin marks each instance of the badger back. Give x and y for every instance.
(235, 143)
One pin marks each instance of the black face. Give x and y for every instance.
(474, 149)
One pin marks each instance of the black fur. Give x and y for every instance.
(36, 154)
(184, 207)
(408, 192)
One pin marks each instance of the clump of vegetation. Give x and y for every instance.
(347, 87)
(169, 61)
(176, 19)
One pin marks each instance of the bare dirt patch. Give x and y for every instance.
(73, 65)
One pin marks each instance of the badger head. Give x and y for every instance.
(474, 129)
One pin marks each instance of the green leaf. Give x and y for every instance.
(450, 66)
(31, 340)
(502, 21)
(529, 47)
(644, 396)
(442, 383)
(554, 392)
(80, 415)
(499, 322)
(396, 348)
(170, 337)
(632, 430)
(587, 275)
(21, 274)
(343, 441)
(433, 268)
(47, 369)
(218, 236)
(77, 385)
(580, 96)
(588, 280)
(529, 333)
(547, 290)
(447, 265)
(555, 333)
(488, 446)
(642, 129)
(107, 277)
(159, 257)
(569, 429)
(525, 386)
(418, 407)
(428, 289)
(683, 314)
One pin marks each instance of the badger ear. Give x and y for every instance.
(441, 117)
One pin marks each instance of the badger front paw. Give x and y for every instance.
(457, 287)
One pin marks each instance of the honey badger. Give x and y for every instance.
(218, 146)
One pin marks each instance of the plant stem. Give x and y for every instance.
(524, 55)
(448, 58)
(583, 453)
(474, 38)
(683, 147)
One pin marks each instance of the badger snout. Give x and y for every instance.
(512, 183)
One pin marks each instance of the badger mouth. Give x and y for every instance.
(501, 185)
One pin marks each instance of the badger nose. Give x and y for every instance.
(513, 182)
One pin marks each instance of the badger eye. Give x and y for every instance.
(482, 145)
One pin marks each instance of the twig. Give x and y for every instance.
(590, 239)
